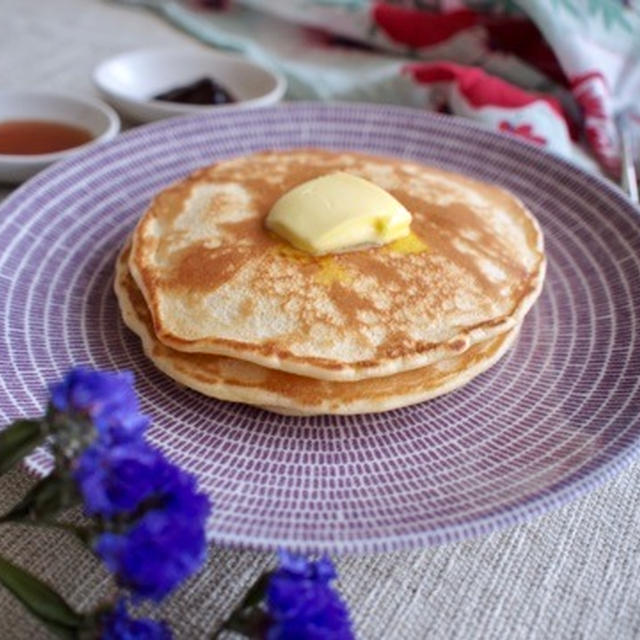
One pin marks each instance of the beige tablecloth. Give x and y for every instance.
(572, 574)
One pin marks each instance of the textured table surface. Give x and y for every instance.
(571, 574)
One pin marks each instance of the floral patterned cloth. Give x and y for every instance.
(550, 71)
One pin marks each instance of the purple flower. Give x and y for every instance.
(108, 399)
(152, 517)
(302, 604)
(167, 543)
(115, 480)
(118, 625)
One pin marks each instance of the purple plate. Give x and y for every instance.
(557, 416)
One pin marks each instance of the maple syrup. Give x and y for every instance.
(31, 137)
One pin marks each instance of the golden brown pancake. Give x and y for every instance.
(240, 381)
(217, 282)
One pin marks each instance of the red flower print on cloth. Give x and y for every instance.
(593, 94)
(524, 131)
(418, 28)
(478, 87)
(472, 93)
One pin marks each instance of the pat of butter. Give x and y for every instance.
(337, 212)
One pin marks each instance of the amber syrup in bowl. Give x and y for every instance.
(38, 128)
(34, 137)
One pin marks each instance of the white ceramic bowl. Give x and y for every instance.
(129, 81)
(95, 116)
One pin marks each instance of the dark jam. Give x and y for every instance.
(204, 91)
(31, 137)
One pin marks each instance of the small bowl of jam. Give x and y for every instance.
(151, 84)
(38, 128)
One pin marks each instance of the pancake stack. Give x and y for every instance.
(233, 311)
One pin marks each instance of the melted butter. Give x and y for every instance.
(330, 272)
(338, 212)
(407, 245)
(289, 252)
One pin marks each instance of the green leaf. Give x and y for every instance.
(47, 498)
(59, 630)
(256, 593)
(18, 440)
(252, 624)
(41, 600)
(248, 618)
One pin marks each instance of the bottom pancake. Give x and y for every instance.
(240, 381)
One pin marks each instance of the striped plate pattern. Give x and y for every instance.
(557, 416)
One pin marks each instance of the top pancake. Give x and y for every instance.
(216, 281)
